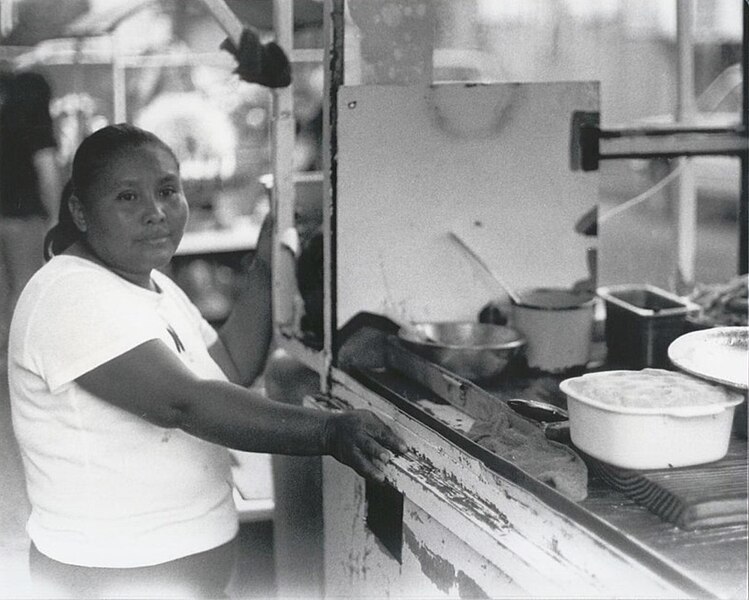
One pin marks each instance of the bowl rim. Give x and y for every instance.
(518, 342)
(578, 301)
(701, 410)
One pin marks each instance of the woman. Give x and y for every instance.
(124, 398)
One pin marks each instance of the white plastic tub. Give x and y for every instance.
(654, 437)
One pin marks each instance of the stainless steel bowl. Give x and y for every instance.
(475, 351)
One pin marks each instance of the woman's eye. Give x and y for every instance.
(126, 196)
(169, 192)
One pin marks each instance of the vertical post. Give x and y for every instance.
(6, 17)
(119, 89)
(283, 192)
(743, 210)
(686, 208)
(334, 34)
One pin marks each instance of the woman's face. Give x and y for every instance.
(135, 212)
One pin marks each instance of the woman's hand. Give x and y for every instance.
(359, 439)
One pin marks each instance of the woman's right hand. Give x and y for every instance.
(360, 440)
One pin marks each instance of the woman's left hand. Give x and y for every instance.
(362, 441)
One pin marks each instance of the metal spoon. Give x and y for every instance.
(514, 296)
(553, 420)
(543, 412)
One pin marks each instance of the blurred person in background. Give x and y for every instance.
(29, 183)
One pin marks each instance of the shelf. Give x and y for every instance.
(307, 55)
(240, 238)
(253, 485)
(254, 509)
(299, 177)
(314, 359)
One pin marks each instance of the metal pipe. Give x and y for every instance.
(743, 210)
(723, 143)
(6, 17)
(228, 21)
(686, 196)
(655, 131)
(283, 191)
(119, 85)
(335, 77)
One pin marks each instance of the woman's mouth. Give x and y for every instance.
(157, 238)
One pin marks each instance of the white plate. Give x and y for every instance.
(719, 354)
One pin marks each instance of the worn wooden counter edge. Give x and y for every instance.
(581, 548)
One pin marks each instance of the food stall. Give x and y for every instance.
(440, 200)
(440, 197)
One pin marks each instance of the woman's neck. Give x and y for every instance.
(82, 249)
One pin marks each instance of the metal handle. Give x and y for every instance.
(542, 412)
(480, 261)
(226, 18)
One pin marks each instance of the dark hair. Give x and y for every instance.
(92, 156)
(26, 98)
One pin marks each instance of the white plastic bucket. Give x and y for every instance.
(557, 325)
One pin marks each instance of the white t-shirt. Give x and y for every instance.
(107, 488)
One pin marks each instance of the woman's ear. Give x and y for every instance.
(76, 211)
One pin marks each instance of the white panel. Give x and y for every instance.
(490, 162)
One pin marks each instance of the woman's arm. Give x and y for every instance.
(245, 337)
(151, 382)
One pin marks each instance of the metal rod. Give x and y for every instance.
(228, 21)
(119, 83)
(686, 196)
(506, 288)
(334, 72)
(667, 130)
(685, 97)
(687, 145)
(283, 191)
(743, 210)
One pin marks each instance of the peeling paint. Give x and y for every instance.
(449, 486)
(468, 588)
(556, 534)
(555, 545)
(441, 571)
(438, 570)
(416, 516)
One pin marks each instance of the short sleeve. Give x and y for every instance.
(81, 321)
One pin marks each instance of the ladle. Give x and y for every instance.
(501, 282)
(417, 333)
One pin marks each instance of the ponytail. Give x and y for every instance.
(64, 233)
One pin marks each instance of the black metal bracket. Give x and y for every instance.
(589, 144)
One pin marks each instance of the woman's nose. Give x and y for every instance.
(154, 210)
